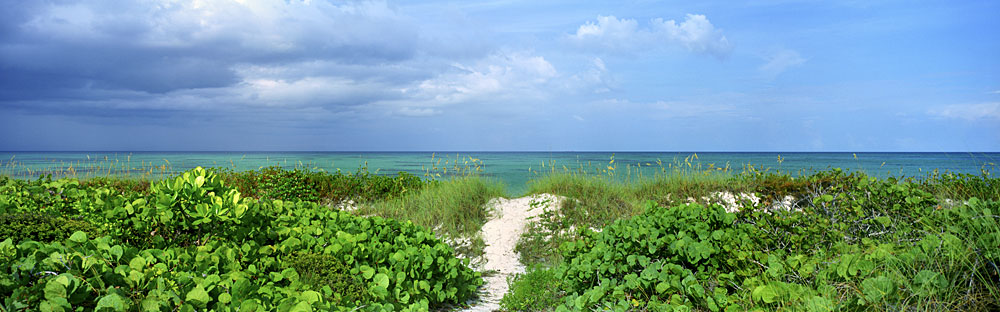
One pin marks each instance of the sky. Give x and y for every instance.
(766, 75)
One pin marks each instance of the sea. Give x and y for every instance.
(514, 169)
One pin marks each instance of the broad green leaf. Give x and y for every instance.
(878, 288)
(198, 296)
(7, 250)
(78, 237)
(112, 302)
(225, 298)
(765, 293)
(662, 287)
(302, 306)
(311, 296)
(137, 263)
(54, 290)
(116, 252)
(367, 272)
(775, 268)
(381, 281)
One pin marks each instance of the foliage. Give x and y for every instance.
(960, 186)
(40, 227)
(539, 245)
(118, 185)
(42, 195)
(323, 270)
(853, 243)
(536, 290)
(194, 243)
(598, 200)
(455, 209)
(278, 183)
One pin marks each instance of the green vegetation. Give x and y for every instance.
(961, 186)
(849, 242)
(40, 227)
(275, 239)
(277, 183)
(598, 200)
(195, 243)
(456, 209)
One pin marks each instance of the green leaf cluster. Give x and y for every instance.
(852, 243)
(41, 227)
(193, 243)
(278, 183)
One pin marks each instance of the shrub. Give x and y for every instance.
(664, 255)
(40, 227)
(118, 185)
(192, 243)
(856, 243)
(329, 274)
(537, 290)
(297, 184)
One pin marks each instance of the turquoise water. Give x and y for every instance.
(510, 167)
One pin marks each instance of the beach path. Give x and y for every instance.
(501, 233)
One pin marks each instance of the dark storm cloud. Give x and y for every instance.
(306, 60)
(57, 49)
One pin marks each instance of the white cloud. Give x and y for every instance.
(502, 76)
(595, 78)
(780, 61)
(499, 72)
(696, 33)
(968, 111)
(609, 30)
(306, 91)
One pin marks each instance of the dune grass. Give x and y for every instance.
(954, 186)
(114, 167)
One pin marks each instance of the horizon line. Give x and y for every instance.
(483, 151)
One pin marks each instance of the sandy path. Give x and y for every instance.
(501, 234)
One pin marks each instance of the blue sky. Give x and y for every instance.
(778, 75)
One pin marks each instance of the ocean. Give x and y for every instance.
(514, 169)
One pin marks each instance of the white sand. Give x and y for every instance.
(733, 202)
(501, 233)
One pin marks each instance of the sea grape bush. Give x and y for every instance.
(278, 183)
(193, 243)
(41, 227)
(855, 243)
(43, 195)
(658, 258)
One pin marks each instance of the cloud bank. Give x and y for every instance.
(338, 60)
(357, 75)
